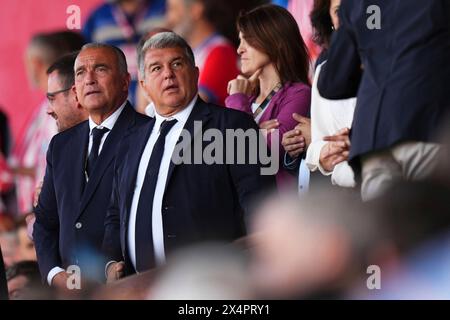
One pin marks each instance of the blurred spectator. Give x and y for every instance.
(6, 185)
(310, 248)
(8, 201)
(416, 225)
(6, 223)
(5, 134)
(63, 104)
(210, 271)
(301, 10)
(29, 155)
(275, 61)
(24, 281)
(281, 3)
(9, 241)
(197, 21)
(122, 23)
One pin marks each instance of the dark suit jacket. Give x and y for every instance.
(201, 202)
(403, 90)
(3, 283)
(70, 214)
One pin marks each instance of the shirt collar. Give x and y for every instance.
(181, 116)
(108, 122)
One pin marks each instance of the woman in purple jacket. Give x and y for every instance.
(275, 84)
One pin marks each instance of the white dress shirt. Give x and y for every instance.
(107, 123)
(169, 146)
(150, 110)
(328, 117)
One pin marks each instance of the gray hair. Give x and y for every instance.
(164, 40)
(121, 59)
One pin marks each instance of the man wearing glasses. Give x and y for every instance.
(63, 105)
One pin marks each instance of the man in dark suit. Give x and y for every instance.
(393, 55)
(75, 194)
(160, 204)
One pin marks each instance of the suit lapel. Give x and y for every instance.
(79, 179)
(125, 120)
(201, 113)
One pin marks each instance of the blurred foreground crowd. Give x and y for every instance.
(350, 103)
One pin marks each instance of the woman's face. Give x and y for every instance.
(251, 58)
(334, 9)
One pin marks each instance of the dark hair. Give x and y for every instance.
(28, 269)
(321, 22)
(56, 44)
(64, 67)
(274, 31)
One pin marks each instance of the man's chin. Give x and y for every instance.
(93, 105)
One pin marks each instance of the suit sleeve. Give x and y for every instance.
(46, 226)
(111, 241)
(341, 74)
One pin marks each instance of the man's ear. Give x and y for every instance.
(127, 80)
(197, 73)
(74, 90)
(141, 83)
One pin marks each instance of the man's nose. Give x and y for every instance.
(90, 78)
(49, 110)
(168, 73)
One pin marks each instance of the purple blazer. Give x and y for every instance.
(292, 97)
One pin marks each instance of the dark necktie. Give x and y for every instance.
(145, 258)
(97, 135)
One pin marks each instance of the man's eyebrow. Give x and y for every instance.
(153, 64)
(101, 65)
(176, 58)
(80, 68)
(95, 66)
(171, 61)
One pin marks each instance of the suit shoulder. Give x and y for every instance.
(231, 117)
(142, 119)
(66, 134)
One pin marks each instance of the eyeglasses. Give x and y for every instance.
(51, 95)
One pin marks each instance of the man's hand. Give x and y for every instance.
(37, 192)
(30, 219)
(304, 125)
(59, 281)
(293, 143)
(115, 271)
(244, 85)
(336, 150)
